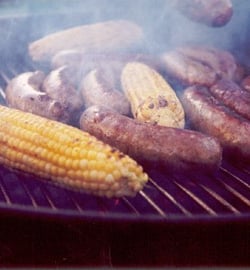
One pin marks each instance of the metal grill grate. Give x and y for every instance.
(165, 196)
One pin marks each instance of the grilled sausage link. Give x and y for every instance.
(221, 61)
(200, 65)
(246, 83)
(186, 70)
(24, 92)
(213, 13)
(97, 89)
(233, 96)
(208, 115)
(60, 84)
(175, 149)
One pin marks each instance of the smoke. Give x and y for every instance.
(165, 28)
(169, 29)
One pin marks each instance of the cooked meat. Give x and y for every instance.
(60, 84)
(175, 149)
(222, 62)
(24, 92)
(97, 89)
(213, 13)
(211, 117)
(186, 70)
(246, 83)
(233, 96)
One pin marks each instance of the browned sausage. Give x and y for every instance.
(210, 12)
(24, 92)
(221, 61)
(208, 115)
(98, 89)
(246, 83)
(60, 85)
(175, 149)
(233, 96)
(200, 65)
(186, 70)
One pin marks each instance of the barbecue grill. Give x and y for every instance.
(178, 219)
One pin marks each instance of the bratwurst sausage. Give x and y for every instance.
(210, 116)
(201, 65)
(213, 13)
(175, 149)
(24, 92)
(97, 89)
(222, 62)
(233, 96)
(60, 84)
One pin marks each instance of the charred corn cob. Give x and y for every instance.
(66, 155)
(98, 37)
(152, 99)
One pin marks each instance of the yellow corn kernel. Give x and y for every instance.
(152, 99)
(60, 157)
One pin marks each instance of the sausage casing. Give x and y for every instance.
(98, 89)
(233, 96)
(60, 85)
(208, 115)
(215, 13)
(222, 62)
(24, 92)
(173, 148)
(186, 70)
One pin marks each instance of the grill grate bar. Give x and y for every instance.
(48, 198)
(5, 77)
(5, 194)
(131, 206)
(221, 200)
(153, 204)
(236, 177)
(237, 194)
(170, 197)
(246, 170)
(77, 206)
(162, 198)
(2, 93)
(208, 209)
(26, 190)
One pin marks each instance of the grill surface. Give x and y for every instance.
(176, 220)
(166, 197)
(225, 195)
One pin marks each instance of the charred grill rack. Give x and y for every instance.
(177, 219)
(227, 192)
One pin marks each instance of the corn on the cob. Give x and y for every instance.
(66, 155)
(152, 99)
(98, 37)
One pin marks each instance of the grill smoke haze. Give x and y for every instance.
(165, 28)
